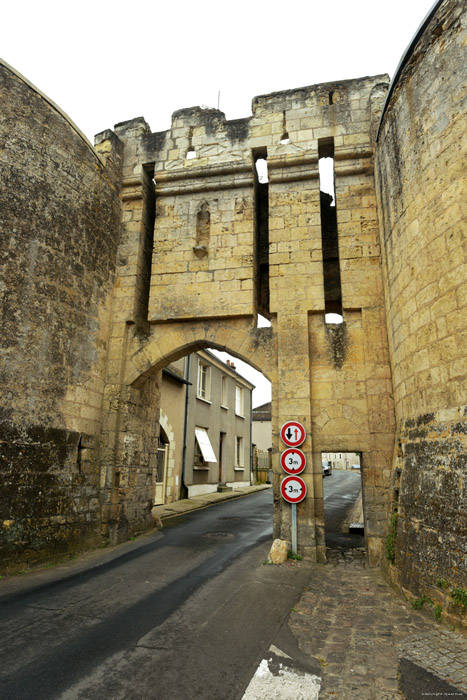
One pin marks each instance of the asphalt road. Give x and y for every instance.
(183, 614)
(341, 490)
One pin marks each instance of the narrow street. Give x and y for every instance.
(341, 490)
(186, 613)
(195, 611)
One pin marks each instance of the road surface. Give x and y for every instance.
(341, 490)
(186, 613)
(180, 615)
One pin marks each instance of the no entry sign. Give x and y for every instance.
(293, 461)
(293, 489)
(293, 434)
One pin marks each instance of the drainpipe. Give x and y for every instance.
(184, 488)
(251, 435)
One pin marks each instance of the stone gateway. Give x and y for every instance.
(118, 260)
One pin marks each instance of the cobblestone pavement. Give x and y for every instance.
(365, 637)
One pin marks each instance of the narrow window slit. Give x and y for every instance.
(190, 151)
(262, 322)
(261, 199)
(285, 134)
(203, 230)
(262, 170)
(146, 246)
(329, 234)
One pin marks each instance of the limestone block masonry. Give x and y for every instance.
(209, 276)
(121, 259)
(421, 156)
(59, 223)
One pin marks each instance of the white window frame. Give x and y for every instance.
(239, 400)
(224, 396)
(203, 387)
(239, 453)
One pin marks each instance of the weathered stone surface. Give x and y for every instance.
(421, 157)
(101, 292)
(59, 220)
(279, 552)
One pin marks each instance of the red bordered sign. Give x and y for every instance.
(293, 489)
(293, 461)
(293, 434)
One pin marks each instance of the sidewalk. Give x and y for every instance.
(186, 505)
(370, 643)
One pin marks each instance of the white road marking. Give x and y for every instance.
(278, 680)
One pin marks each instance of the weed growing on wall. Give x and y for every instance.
(391, 539)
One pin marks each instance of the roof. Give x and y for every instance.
(263, 412)
(226, 368)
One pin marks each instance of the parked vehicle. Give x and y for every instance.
(327, 471)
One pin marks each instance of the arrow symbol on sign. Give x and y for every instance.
(288, 434)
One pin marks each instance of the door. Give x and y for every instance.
(161, 468)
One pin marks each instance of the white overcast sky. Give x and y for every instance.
(105, 62)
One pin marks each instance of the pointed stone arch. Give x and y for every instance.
(170, 341)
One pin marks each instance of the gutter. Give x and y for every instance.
(173, 375)
(185, 428)
(251, 436)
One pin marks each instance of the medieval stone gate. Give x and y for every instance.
(227, 246)
(116, 261)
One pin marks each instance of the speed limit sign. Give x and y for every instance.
(293, 489)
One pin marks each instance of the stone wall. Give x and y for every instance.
(120, 260)
(421, 159)
(227, 245)
(59, 221)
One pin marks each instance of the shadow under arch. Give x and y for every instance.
(170, 341)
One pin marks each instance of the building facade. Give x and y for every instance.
(218, 426)
(204, 428)
(262, 427)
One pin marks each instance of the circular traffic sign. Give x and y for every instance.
(293, 489)
(293, 461)
(293, 434)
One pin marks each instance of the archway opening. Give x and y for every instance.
(343, 500)
(208, 398)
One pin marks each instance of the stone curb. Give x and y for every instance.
(188, 505)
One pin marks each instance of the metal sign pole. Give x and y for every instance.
(294, 528)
